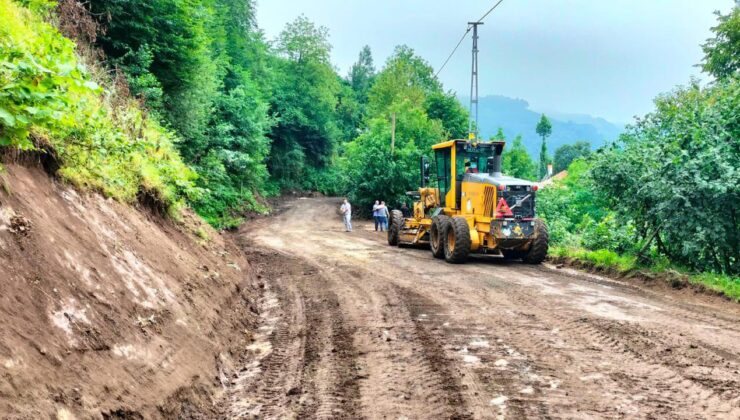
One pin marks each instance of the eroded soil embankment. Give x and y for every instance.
(109, 311)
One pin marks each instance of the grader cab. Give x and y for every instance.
(468, 206)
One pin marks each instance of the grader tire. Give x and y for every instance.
(457, 241)
(394, 230)
(538, 250)
(437, 235)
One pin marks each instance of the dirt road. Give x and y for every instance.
(350, 327)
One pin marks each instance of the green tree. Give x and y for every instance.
(362, 75)
(353, 98)
(516, 162)
(544, 129)
(377, 171)
(172, 39)
(567, 153)
(722, 52)
(304, 100)
(406, 76)
(303, 41)
(674, 173)
(446, 108)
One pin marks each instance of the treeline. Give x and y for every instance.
(668, 191)
(255, 117)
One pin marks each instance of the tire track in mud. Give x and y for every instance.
(399, 378)
(669, 398)
(302, 362)
(642, 378)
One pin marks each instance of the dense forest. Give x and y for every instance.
(174, 103)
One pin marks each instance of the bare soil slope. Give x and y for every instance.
(351, 327)
(112, 312)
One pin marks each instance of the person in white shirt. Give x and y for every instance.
(346, 210)
(383, 215)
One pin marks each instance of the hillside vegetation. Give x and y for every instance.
(666, 195)
(52, 101)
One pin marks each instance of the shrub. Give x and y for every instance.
(103, 139)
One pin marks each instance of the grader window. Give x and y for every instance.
(444, 172)
(476, 156)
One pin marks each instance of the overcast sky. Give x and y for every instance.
(607, 58)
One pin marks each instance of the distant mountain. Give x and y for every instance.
(515, 117)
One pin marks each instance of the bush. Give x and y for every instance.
(104, 140)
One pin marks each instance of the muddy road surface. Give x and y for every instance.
(352, 328)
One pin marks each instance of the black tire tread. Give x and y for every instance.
(461, 231)
(538, 250)
(439, 224)
(394, 230)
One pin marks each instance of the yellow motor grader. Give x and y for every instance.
(472, 207)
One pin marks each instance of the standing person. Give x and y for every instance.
(376, 214)
(384, 214)
(346, 210)
(405, 210)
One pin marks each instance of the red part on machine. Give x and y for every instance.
(503, 210)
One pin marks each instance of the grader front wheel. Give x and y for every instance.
(394, 230)
(437, 235)
(457, 241)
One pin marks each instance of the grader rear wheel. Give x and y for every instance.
(538, 249)
(436, 235)
(457, 241)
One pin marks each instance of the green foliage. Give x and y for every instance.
(305, 99)
(728, 285)
(544, 129)
(362, 75)
(567, 153)
(722, 52)
(374, 171)
(406, 77)
(516, 162)
(572, 205)
(609, 260)
(668, 189)
(176, 35)
(601, 258)
(676, 171)
(303, 41)
(425, 115)
(104, 141)
(202, 67)
(449, 111)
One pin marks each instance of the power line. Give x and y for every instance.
(453, 51)
(491, 10)
(463, 38)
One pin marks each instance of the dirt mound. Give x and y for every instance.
(112, 312)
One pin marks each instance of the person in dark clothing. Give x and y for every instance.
(405, 210)
(471, 168)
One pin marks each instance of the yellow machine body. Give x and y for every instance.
(479, 197)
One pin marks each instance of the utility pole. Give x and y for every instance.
(473, 123)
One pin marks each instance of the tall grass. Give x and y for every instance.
(626, 263)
